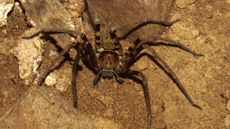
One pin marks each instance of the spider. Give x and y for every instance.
(106, 58)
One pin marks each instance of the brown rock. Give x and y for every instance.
(42, 109)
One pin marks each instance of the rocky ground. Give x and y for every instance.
(204, 27)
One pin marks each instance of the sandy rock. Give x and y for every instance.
(29, 55)
(227, 121)
(228, 105)
(43, 109)
(60, 78)
(75, 7)
(51, 80)
(183, 3)
(102, 123)
(5, 7)
(181, 30)
(142, 64)
(40, 14)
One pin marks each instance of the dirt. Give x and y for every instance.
(204, 27)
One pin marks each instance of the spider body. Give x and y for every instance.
(107, 60)
(108, 53)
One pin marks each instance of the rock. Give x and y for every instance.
(227, 121)
(228, 1)
(51, 79)
(228, 105)
(183, 3)
(181, 30)
(143, 63)
(103, 123)
(29, 55)
(44, 109)
(5, 7)
(45, 14)
(49, 14)
(75, 7)
(60, 78)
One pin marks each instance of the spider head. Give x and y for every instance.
(108, 62)
(107, 74)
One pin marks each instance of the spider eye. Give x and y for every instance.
(130, 49)
(116, 48)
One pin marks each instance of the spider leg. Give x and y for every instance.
(97, 78)
(140, 78)
(89, 58)
(142, 23)
(155, 58)
(51, 31)
(96, 22)
(58, 60)
(74, 75)
(155, 41)
(92, 14)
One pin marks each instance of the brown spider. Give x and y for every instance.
(107, 60)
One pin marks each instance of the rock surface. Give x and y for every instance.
(43, 109)
(228, 106)
(227, 121)
(29, 55)
(5, 7)
(204, 27)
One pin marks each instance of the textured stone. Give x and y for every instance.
(60, 78)
(103, 123)
(228, 105)
(183, 3)
(227, 121)
(40, 14)
(5, 7)
(44, 109)
(29, 55)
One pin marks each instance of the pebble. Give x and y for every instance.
(228, 106)
(51, 80)
(5, 8)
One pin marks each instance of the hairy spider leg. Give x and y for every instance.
(146, 42)
(48, 31)
(156, 58)
(58, 60)
(141, 79)
(92, 14)
(134, 55)
(95, 20)
(140, 24)
(85, 52)
(74, 75)
(156, 41)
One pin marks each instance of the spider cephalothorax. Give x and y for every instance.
(108, 54)
(107, 60)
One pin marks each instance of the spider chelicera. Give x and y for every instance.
(107, 59)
